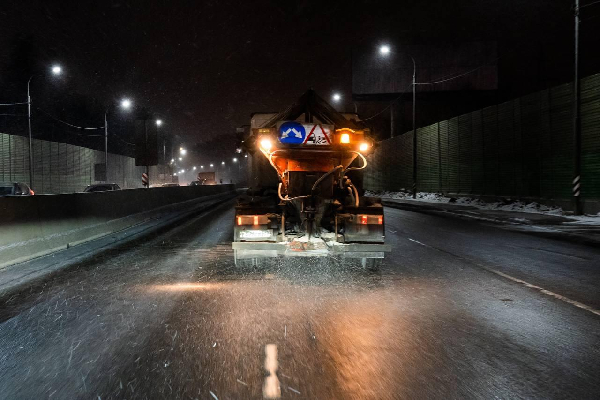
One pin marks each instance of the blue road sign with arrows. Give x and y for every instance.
(292, 132)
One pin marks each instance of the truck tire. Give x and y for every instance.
(372, 264)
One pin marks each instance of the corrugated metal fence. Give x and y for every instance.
(521, 148)
(65, 168)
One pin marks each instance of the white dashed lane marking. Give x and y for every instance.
(271, 387)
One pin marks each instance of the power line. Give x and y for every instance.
(388, 106)
(68, 124)
(122, 140)
(589, 4)
(12, 104)
(445, 79)
(455, 77)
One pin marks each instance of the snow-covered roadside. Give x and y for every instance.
(508, 205)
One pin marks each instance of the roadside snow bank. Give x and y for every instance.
(507, 205)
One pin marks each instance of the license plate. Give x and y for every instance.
(255, 234)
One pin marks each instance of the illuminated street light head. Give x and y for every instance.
(194, 168)
(384, 49)
(180, 158)
(212, 165)
(202, 167)
(336, 97)
(222, 162)
(56, 69)
(158, 122)
(234, 159)
(126, 104)
(182, 151)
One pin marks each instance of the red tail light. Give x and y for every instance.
(364, 219)
(380, 220)
(252, 220)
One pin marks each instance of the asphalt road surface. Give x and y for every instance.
(458, 310)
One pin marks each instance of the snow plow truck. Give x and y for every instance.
(305, 197)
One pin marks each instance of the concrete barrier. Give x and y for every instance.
(37, 225)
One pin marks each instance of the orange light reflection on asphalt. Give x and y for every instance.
(183, 287)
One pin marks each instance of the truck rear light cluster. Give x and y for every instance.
(252, 220)
(365, 219)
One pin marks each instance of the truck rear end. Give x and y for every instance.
(314, 208)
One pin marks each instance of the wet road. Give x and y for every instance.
(458, 310)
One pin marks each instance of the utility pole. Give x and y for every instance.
(30, 137)
(414, 122)
(106, 146)
(392, 120)
(576, 119)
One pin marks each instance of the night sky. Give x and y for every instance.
(204, 66)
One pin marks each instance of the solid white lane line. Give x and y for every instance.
(271, 387)
(545, 291)
(522, 282)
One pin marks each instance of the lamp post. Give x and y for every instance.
(126, 105)
(336, 97)
(158, 124)
(576, 119)
(414, 126)
(385, 50)
(56, 70)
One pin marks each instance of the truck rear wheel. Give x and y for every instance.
(249, 263)
(372, 264)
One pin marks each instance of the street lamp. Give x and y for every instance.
(212, 165)
(158, 124)
(126, 105)
(202, 167)
(384, 49)
(235, 159)
(222, 162)
(336, 97)
(180, 158)
(182, 151)
(56, 70)
(194, 168)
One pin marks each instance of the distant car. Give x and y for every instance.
(15, 189)
(195, 183)
(102, 187)
(170, 184)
